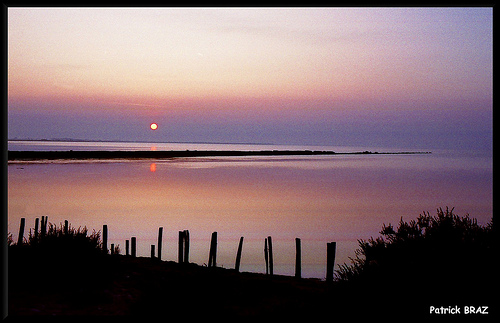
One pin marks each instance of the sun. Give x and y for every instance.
(153, 126)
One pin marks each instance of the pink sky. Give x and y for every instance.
(324, 71)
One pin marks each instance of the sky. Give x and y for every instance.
(383, 77)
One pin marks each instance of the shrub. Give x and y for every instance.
(57, 248)
(74, 241)
(59, 261)
(445, 249)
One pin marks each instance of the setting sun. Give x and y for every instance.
(153, 126)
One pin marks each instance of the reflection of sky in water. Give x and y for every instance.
(318, 199)
(435, 162)
(134, 146)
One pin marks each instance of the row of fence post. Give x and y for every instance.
(238, 255)
(43, 228)
(160, 237)
(268, 255)
(298, 259)
(212, 257)
(183, 254)
(43, 225)
(21, 232)
(105, 238)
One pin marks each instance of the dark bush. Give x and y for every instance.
(74, 241)
(441, 255)
(57, 256)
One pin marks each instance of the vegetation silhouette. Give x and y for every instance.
(437, 260)
(67, 267)
(430, 260)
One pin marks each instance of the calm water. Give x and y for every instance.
(134, 146)
(318, 199)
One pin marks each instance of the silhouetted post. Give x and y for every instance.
(181, 247)
(160, 235)
(238, 255)
(152, 251)
(270, 245)
(37, 220)
(21, 232)
(212, 259)
(266, 256)
(330, 260)
(126, 247)
(43, 228)
(112, 248)
(105, 238)
(66, 227)
(133, 246)
(298, 259)
(186, 246)
(46, 224)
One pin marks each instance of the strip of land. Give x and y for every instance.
(95, 154)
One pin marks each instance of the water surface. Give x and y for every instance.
(316, 198)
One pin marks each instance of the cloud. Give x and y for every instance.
(135, 104)
(294, 32)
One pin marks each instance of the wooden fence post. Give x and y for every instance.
(105, 238)
(152, 251)
(126, 247)
(238, 255)
(133, 246)
(212, 259)
(298, 259)
(112, 250)
(330, 260)
(43, 227)
(66, 227)
(270, 246)
(37, 220)
(21, 232)
(160, 236)
(266, 256)
(186, 246)
(181, 247)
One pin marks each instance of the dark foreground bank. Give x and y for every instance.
(138, 287)
(144, 287)
(435, 267)
(51, 155)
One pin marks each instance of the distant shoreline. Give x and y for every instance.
(70, 140)
(95, 154)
